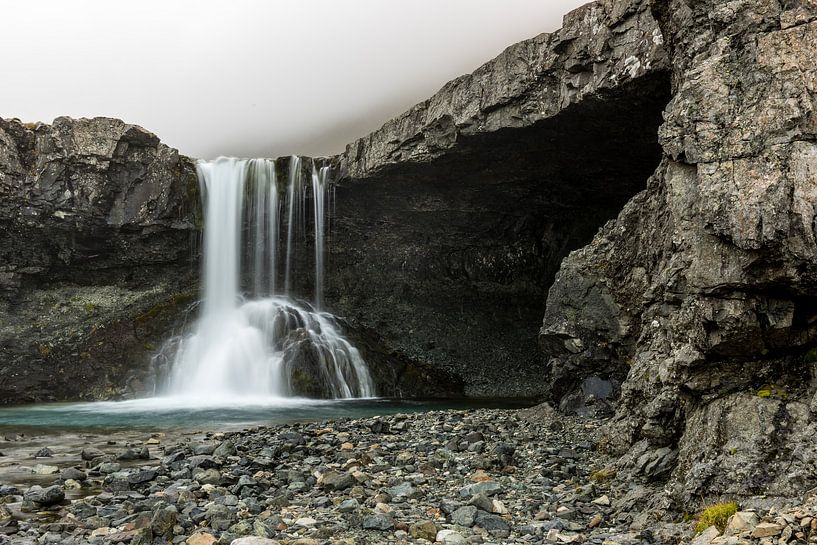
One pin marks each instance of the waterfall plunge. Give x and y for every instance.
(268, 346)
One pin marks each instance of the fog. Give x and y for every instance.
(250, 77)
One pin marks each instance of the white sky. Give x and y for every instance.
(250, 77)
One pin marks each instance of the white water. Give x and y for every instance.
(267, 347)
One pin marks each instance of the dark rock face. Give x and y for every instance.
(453, 218)
(97, 230)
(701, 294)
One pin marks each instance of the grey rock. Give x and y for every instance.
(492, 523)
(402, 491)
(464, 516)
(349, 506)
(379, 521)
(73, 473)
(333, 480)
(91, 453)
(486, 488)
(45, 496)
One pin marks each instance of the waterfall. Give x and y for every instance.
(319, 187)
(259, 343)
(294, 198)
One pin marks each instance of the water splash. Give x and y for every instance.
(269, 346)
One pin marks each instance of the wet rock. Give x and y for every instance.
(89, 454)
(44, 496)
(44, 452)
(73, 473)
(134, 454)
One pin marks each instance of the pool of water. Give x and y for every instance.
(190, 413)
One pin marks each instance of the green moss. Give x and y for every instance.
(89, 307)
(811, 356)
(716, 515)
(603, 475)
(302, 383)
(164, 306)
(771, 390)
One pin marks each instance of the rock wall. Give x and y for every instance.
(453, 218)
(701, 295)
(97, 230)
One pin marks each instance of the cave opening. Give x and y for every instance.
(449, 261)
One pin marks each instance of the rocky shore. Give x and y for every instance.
(451, 477)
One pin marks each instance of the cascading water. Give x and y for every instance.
(269, 346)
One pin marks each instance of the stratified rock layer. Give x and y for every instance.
(701, 294)
(453, 218)
(97, 223)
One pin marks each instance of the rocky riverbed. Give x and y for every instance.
(454, 477)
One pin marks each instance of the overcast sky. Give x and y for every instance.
(250, 77)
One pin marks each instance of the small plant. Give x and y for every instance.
(716, 515)
(771, 390)
(811, 356)
(89, 307)
(603, 475)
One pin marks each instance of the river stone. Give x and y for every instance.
(90, 453)
(381, 522)
(133, 454)
(73, 474)
(163, 521)
(45, 496)
(227, 448)
(201, 538)
(492, 523)
(423, 530)
(332, 480)
(109, 467)
(464, 516)
(44, 452)
(254, 540)
(402, 491)
(208, 476)
(481, 501)
(450, 537)
(141, 476)
(487, 488)
(348, 506)
(42, 469)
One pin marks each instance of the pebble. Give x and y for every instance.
(454, 477)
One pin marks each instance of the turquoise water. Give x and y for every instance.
(174, 413)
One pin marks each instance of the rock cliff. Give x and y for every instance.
(700, 295)
(453, 218)
(97, 223)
